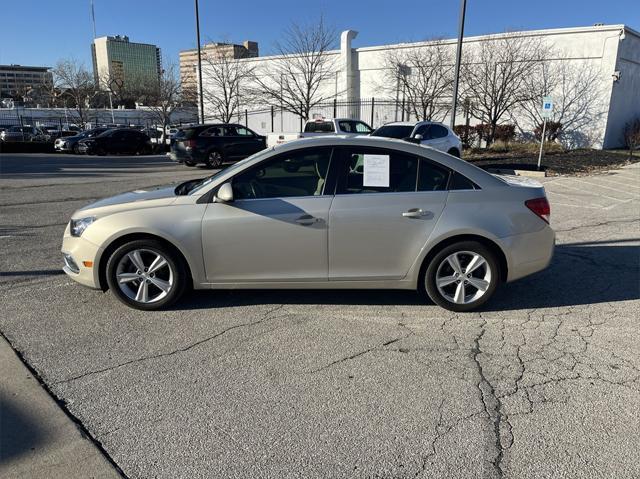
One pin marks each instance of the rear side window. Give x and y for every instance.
(319, 127)
(460, 182)
(437, 131)
(213, 131)
(432, 177)
(353, 126)
(402, 171)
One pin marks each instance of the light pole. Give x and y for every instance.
(456, 78)
(199, 64)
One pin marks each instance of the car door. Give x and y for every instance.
(276, 227)
(115, 143)
(386, 205)
(435, 136)
(241, 142)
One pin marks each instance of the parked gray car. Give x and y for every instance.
(328, 212)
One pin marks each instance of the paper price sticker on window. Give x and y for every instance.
(376, 170)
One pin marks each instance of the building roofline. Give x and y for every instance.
(525, 33)
(23, 67)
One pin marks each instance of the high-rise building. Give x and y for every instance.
(189, 60)
(19, 81)
(118, 61)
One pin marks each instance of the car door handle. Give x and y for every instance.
(415, 213)
(306, 220)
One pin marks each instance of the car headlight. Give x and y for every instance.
(78, 226)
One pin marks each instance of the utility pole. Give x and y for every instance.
(200, 95)
(456, 78)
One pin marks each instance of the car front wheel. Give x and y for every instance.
(462, 276)
(214, 159)
(145, 274)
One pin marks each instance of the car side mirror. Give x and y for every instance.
(413, 139)
(224, 194)
(418, 137)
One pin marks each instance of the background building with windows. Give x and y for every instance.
(119, 61)
(18, 82)
(189, 60)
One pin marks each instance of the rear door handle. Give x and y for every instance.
(306, 220)
(415, 213)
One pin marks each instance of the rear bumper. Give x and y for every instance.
(529, 253)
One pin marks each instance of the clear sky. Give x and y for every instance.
(40, 32)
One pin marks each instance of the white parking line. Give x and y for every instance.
(617, 190)
(582, 190)
(618, 182)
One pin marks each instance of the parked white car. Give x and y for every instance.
(322, 126)
(429, 133)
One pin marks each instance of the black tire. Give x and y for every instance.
(76, 149)
(427, 281)
(175, 265)
(190, 164)
(454, 152)
(214, 159)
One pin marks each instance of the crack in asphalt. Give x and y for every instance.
(365, 351)
(265, 317)
(594, 225)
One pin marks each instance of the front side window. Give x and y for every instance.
(375, 170)
(296, 173)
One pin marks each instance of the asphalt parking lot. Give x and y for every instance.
(543, 383)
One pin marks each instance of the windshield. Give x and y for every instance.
(195, 187)
(394, 131)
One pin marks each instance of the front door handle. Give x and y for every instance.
(415, 213)
(306, 220)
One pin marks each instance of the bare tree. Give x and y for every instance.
(77, 83)
(575, 92)
(297, 77)
(229, 81)
(494, 76)
(424, 75)
(161, 96)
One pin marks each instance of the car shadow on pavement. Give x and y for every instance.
(19, 433)
(579, 274)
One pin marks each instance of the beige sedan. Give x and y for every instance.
(328, 212)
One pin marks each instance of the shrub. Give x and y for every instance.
(631, 134)
(552, 132)
(483, 130)
(505, 133)
(467, 134)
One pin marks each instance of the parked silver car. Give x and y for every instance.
(329, 212)
(428, 133)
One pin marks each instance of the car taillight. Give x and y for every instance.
(190, 143)
(540, 206)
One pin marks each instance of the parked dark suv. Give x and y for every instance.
(214, 144)
(117, 140)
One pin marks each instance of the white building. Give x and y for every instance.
(611, 52)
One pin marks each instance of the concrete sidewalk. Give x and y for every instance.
(37, 439)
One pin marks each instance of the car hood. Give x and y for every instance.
(147, 198)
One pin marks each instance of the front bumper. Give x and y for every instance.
(529, 253)
(78, 254)
(61, 146)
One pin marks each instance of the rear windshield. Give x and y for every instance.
(188, 133)
(393, 131)
(319, 127)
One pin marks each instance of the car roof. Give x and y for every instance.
(414, 123)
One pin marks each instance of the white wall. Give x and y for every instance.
(359, 74)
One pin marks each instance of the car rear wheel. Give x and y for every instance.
(190, 163)
(214, 159)
(76, 149)
(462, 276)
(145, 274)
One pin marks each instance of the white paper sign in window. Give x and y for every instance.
(376, 170)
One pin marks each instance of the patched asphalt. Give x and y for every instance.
(544, 382)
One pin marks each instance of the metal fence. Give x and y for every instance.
(373, 111)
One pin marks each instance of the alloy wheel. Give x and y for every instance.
(144, 276)
(463, 277)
